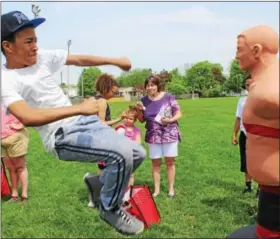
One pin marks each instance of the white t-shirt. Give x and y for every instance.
(37, 86)
(239, 111)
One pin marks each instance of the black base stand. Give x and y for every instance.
(248, 232)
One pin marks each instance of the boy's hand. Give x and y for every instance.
(90, 106)
(123, 63)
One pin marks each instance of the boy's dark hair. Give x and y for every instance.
(105, 83)
(132, 110)
(12, 37)
(155, 79)
(246, 77)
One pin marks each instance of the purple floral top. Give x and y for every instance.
(157, 133)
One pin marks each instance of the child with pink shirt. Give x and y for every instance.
(130, 130)
(14, 147)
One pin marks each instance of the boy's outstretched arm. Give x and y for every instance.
(87, 60)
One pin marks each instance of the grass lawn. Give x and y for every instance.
(209, 185)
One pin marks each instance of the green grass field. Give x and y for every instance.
(209, 185)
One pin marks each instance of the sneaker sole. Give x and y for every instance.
(124, 233)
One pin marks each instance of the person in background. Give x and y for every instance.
(238, 126)
(129, 129)
(106, 87)
(161, 111)
(14, 148)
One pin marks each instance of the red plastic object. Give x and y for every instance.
(5, 188)
(139, 202)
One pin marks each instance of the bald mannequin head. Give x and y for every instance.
(255, 45)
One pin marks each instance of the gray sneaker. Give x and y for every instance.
(123, 222)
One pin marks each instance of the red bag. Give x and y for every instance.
(5, 187)
(139, 202)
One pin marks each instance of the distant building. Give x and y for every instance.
(242, 93)
(130, 93)
(73, 92)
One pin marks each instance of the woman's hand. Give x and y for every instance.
(166, 121)
(16, 126)
(140, 106)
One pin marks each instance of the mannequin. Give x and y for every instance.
(257, 49)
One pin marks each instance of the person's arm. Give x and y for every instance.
(138, 138)
(56, 59)
(176, 112)
(112, 122)
(87, 60)
(140, 112)
(16, 125)
(117, 120)
(235, 131)
(176, 117)
(40, 116)
(236, 127)
(140, 116)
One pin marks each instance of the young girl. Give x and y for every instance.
(14, 147)
(129, 129)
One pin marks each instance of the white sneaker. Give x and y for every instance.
(91, 204)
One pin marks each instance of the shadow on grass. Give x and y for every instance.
(224, 205)
(163, 228)
(144, 182)
(225, 185)
(5, 198)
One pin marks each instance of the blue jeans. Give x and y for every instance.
(87, 139)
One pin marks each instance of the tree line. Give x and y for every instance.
(203, 78)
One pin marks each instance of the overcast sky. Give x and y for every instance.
(153, 35)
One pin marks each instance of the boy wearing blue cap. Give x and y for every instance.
(70, 132)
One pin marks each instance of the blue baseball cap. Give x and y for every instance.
(12, 22)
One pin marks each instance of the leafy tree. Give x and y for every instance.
(203, 76)
(236, 77)
(218, 75)
(88, 77)
(176, 86)
(134, 78)
(175, 83)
